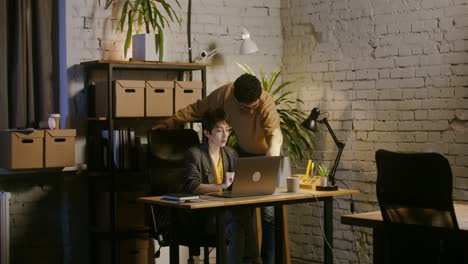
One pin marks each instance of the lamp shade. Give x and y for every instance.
(311, 122)
(248, 46)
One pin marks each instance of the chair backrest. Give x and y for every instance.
(167, 174)
(415, 188)
(167, 148)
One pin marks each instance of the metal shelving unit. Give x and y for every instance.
(112, 179)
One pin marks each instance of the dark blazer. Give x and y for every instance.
(200, 168)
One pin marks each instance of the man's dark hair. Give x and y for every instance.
(247, 88)
(211, 117)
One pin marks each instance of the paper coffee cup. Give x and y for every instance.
(54, 121)
(293, 184)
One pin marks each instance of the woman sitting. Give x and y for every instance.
(210, 167)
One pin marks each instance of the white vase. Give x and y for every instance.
(284, 171)
(145, 47)
(323, 181)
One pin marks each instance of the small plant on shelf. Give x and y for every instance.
(322, 170)
(154, 15)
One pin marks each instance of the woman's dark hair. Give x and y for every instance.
(211, 117)
(247, 88)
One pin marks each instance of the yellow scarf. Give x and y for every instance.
(219, 169)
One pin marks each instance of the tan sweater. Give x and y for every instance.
(253, 130)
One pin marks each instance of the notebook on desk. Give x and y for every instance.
(254, 176)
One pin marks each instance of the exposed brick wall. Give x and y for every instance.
(392, 75)
(92, 35)
(47, 217)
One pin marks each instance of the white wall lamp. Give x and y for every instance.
(248, 46)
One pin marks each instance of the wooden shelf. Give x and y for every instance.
(137, 232)
(152, 63)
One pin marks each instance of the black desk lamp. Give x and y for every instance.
(311, 124)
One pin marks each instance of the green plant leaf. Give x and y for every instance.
(167, 7)
(108, 3)
(245, 68)
(128, 38)
(123, 16)
(322, 170)
(150, 14)
(274, 78)
(161, 46)
(280, 87)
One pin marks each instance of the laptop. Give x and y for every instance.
(254, 176)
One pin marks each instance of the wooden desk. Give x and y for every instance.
(280, 198)
(374, 220)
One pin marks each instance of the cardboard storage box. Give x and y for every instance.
(21, 150)
(159, 98)
(128, 213)
(187, 93)
(128, 101)
(129, 251)
(134, 251)
(59, 148)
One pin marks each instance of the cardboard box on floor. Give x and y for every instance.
(130, 251)
(129, 98)
(128, 213)
(59, 148)
(21, 149)
(187, 93)
(159, 98)
(134, 251)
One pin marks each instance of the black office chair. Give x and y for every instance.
(414, 191)
(167, 148)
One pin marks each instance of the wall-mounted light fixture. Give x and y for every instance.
(248, 46)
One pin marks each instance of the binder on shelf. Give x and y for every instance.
(126, 149)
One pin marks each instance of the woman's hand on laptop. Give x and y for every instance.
(228, 180)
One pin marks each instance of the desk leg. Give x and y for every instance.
(279, 225)
(221, 254)
(173, 246)
(379, 245)
(328, 226)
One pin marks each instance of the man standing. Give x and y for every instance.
(253, 116)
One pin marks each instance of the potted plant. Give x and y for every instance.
(154, 15)
(297, 141)
(323, 172)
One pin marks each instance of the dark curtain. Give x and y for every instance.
(28, 51)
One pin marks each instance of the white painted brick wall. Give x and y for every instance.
(92, 35)
(392, 75)
(406, 76)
